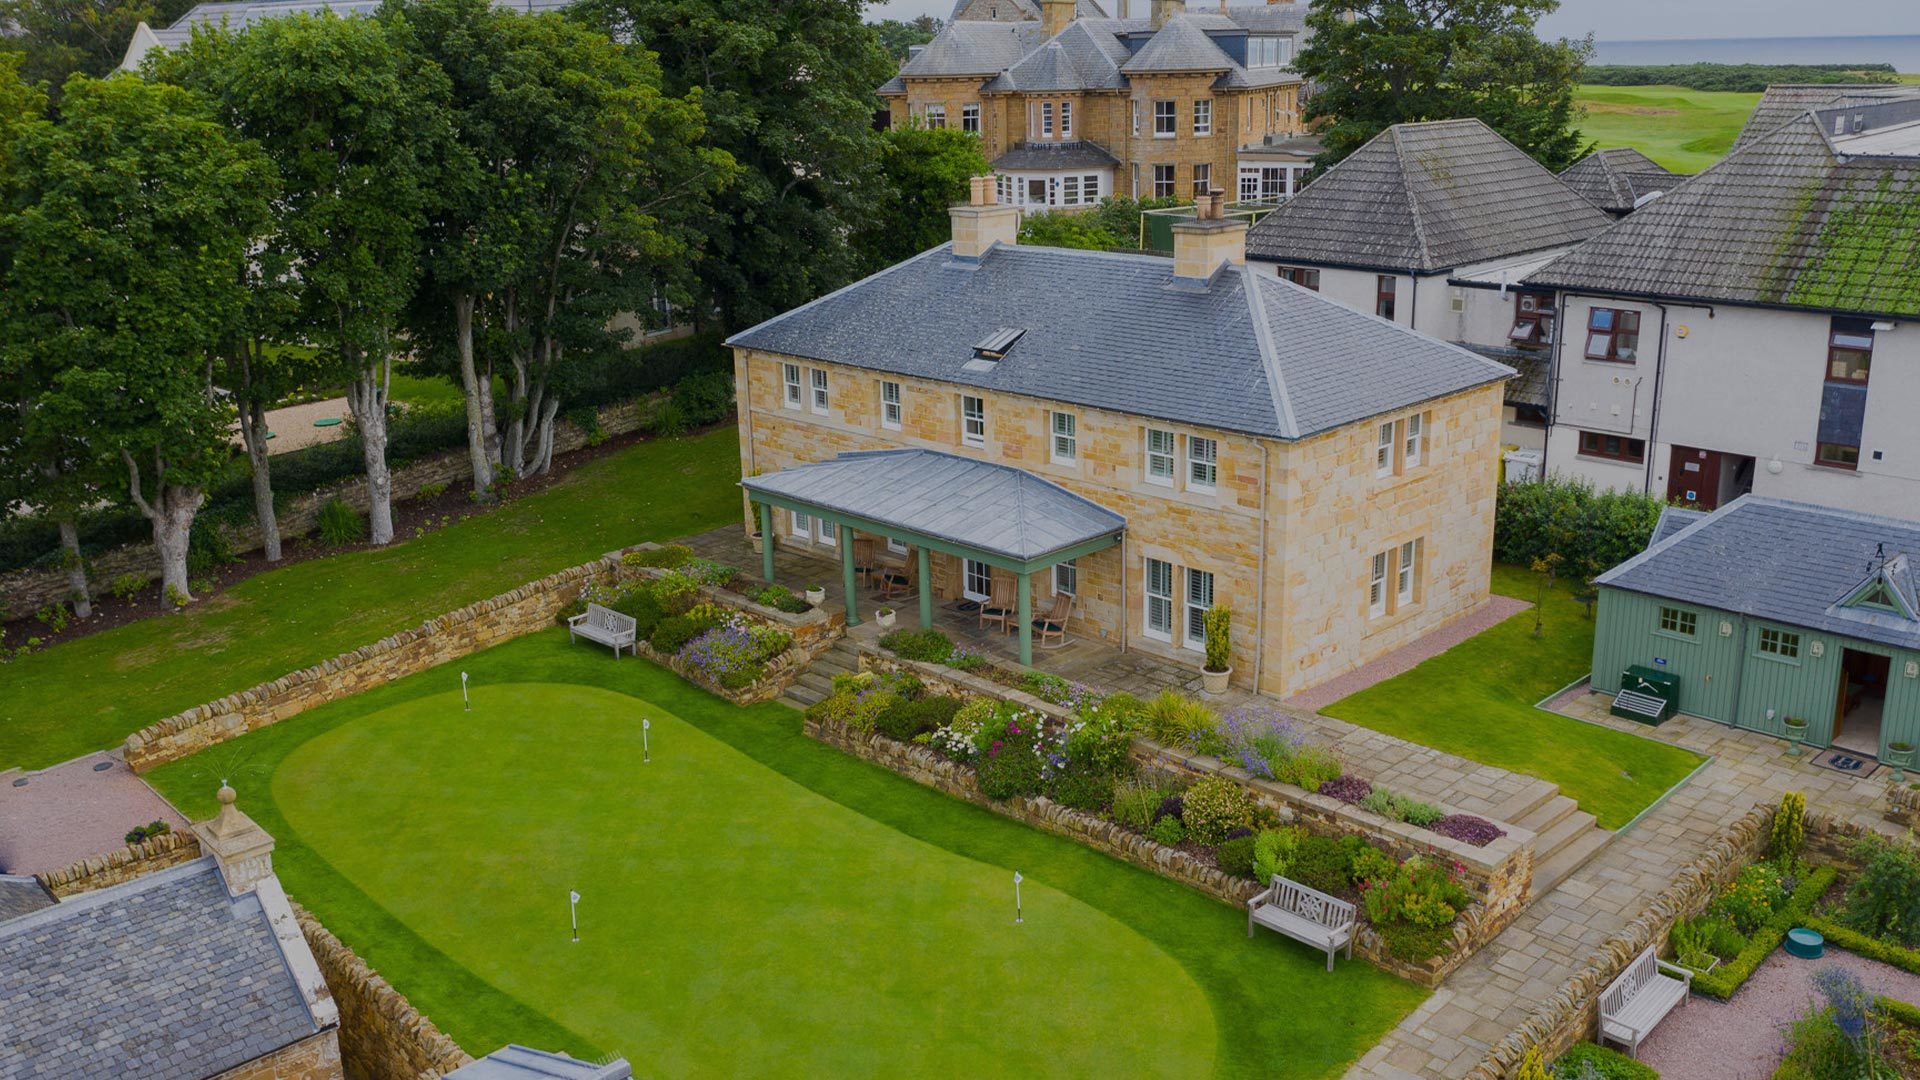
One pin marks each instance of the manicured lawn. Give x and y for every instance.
(1685, 130)
(1477, 700)
(90, 693)
(753, 903)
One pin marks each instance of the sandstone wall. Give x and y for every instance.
(316, 1057)
(125, 864)
(381, 1034)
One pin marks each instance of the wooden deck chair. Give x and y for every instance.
(1000, 605)
(866, 567)
(1052, 627)
(896, 582)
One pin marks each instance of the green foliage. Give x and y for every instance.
(1176, 720)
(1370, 864)
(917, 716)
(896, 36)
(672, 633)
(1752, 897)
(1746, 78)
(208, 547)
(1219, 641)
(1009, 769)
(140, 834)
(1046, 686)
(1113, 225)
(1273, 853)
(1397, 807)
(1080, 787)
(1722, 981)
(1168, 830)
(1841, 936)
(705, 398)
(668, 556)
(429, 492)
(54, 39)
(339, 523)
(923, 172)
(1382, 62)
(931, 646)
(1324, 863)
(1134, 801)
(126, 586)
(1592, 531)
(1309, 767)
(860, 700)
(781, 598)
(1590, 1061)
(1789, 831)
(1235, 856)
(1884, 899)
(1420, 891)
(1531, 1067)
(1216, 806)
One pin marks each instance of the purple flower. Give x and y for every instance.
(1348, 788)
(1465, 828)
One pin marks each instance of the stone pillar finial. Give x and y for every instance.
(241, 847)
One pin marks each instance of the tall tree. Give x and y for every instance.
(897, 37)
(57, 38)
(788, 89)
(356, 126)
(1376, 63)
(923, 171)
(123, 224)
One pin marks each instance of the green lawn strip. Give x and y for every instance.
(1477, 700)
(92, 692)
(1684, 130)
(1269, 997)
(1726, 977)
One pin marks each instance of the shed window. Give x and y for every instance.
(1783, 644)
(1676, 621)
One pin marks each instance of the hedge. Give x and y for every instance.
(1607, 1064)
(1745, 78)
(1870, 947)
(1722, 981)
(1592, 531)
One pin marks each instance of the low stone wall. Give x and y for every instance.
(1571, 1013)
(1903, 805)
(381, 1033)
(316, 1057)
(124, 864)
(28, 590)
(472, 628)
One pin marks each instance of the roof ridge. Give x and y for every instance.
(1270, 356)
(1413, 204)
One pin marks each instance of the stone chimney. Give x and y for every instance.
(1209, 238)
(981, 222)
(242, 849)
(1167, 9)
(1055, 15)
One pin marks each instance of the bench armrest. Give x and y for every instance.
(1261, 897)
(574, 620)
(1685, 975)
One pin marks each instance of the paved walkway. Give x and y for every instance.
(1494, 991)
(73, 811)
(1740, 1039)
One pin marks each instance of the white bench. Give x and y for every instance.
(604, 625)
(1640, 998)
(1305, 915)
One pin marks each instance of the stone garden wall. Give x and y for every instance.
(477, 626)
(124, 864)
(381, 1034)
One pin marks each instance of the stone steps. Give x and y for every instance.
(817, 681)
(1533, 796)
(1544, 817)
(1571, 856)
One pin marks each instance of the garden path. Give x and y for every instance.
(76, 810)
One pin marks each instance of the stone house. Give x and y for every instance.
(1072, 105)
(194, 971)
(1328, 475)
(1433, 226)
(1755, 328)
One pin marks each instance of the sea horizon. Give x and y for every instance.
(1900, 50)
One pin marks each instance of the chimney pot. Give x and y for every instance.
(1055, 15)
(1164, 10)
(981, 221)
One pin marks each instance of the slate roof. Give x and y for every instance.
(516, 1062)
(1789, 101)
(1181, 45)
(1787, 221)
(1067, 155)
(1014, 10)
(20, 894)
(1084, 56)
(1427, 197)
(1783, 561)
(1243, 352)
(1615, 179)
(978, 504)
(1672, 520)
(164, 976)
(974, 48)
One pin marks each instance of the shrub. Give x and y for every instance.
(1722, 981)
(1398, 807)
(1884, 900)
(677, 592)
(857, 701)
(1273, 852)
(1468, 829)
(1047, 687)
(1590, 1061)
(1136, 803)
(340, 523)
(1838, 1036)
(1789, 831)
(126, 586)
(1370, 864)
(967, 735)
(1168, 831)
(672, 633)
(734, 656)
(965, 659)
(1219, 637)
(1323, 863)
(1348, 789)
(1590, 530)
(429, 492)
(1080, 788)
(705, 398)
(1260, 740)
(1173, 719)
(1171, 806)
(669, 556)
(1752, 897)
(1421, 891)
(1011, 764)
(1213, 806)
(1311, 768)
(1531, 1067)
(1236, 856)
(781, 598)
(1101, 743)
(931, 646)
(140, 834)
(208, 546)
(911, 717)
(708, 572)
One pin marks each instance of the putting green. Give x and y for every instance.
(732, 921)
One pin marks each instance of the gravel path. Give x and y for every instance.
(1741, 1039)
(1497, 609)
(73, 811)
(293, 428)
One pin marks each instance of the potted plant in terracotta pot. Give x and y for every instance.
(884, 616)
(1218, 668)
(1900, 756)
(816, 595)
(1796, 733)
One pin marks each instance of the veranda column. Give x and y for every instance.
(926, 589)
(1025, 582)
(846, 573)
(766, 542)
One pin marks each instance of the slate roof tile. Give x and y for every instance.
(1616, 178)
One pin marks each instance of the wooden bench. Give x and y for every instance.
(604, 625)
(1640, 998)
(1305, 915)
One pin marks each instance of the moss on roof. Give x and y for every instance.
(1867, 253)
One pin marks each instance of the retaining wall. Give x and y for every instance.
(381, 1033)
(124, 864)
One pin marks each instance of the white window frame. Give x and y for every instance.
(1202, 116)
(1377, 586)
(790, 377)
(828, 533)
(891, 407)
(970, 118)
(897, 547)
(1063, 441)
(973, 420)
(1197, 600)
(1173, 180)
(1383, 449)
(1133, 115)
(1156, 606)
(821, 398)
(1407, 575)
(935, 116)
(1066, 120)
(802, 525)
(1046, 119)
(970, 571)
(1414, 443)
(1066, 578)
(1153, 457)
(1166, 121)
(1203, 463)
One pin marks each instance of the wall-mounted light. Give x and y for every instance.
(1912, 670)
(1680, 331)
(1726, 628)
(1817, 650)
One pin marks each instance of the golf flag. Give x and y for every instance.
(1017, 879)
(573, 896)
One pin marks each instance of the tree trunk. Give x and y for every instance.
(253, 431)
(489, 418)
(76, 569)
(514, 454)
(543, 456)
(470, 391)
(367, 399)
(173, 510)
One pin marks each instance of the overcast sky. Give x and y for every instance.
(1621, 20)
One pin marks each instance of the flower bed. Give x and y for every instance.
(1847, 1032)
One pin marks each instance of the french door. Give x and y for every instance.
(976, 580)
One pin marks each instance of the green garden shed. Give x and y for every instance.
(1767, 610)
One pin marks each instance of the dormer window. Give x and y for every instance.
(1269, 50)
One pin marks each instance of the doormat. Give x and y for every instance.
(967, 606)
(1850, 762)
